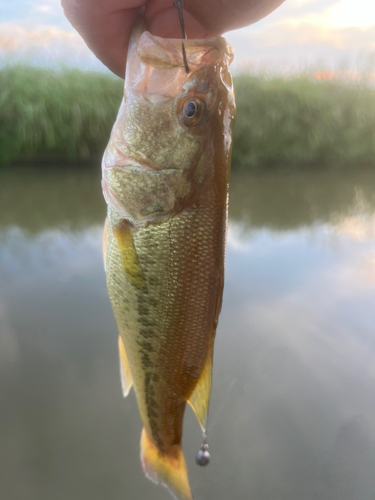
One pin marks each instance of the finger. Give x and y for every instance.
(206, 17)
(162, 20)
(219, 16)
(105, 27)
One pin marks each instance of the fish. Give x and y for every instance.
(165, 179)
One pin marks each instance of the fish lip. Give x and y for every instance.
(121, 160)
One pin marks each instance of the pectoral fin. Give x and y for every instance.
(200, 398)
(125, 373)
(128, 254)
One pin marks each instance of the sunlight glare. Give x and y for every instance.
(348, 13)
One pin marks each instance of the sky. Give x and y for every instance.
(299, 35)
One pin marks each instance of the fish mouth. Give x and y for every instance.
(165, 53)
(116, 158)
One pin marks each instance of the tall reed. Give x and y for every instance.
(301, 121)
(64, 114)
(68, 115)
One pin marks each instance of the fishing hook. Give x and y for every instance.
(179, 4)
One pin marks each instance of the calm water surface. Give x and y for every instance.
(293, 402)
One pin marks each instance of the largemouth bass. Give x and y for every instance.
(165, 180)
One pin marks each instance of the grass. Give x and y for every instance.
(64, 115)
(301, 121)
(68, 114)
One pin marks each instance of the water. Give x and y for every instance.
(293, 402)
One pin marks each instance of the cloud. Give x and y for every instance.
(300, 35)
(46, 8)
(328, 13)
(347, 14)
(45, 45)
(289, 45)
(307, 34)
(310, 33)
(356, 228)
(33, 12)
(18, 38)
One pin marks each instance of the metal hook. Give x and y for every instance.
(179, 4)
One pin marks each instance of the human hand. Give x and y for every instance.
(105, 25)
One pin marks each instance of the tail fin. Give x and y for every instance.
(166, 469)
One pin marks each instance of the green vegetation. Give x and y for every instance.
(65, 115)
(68, 114)
(301, 121)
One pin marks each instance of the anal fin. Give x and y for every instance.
(125, 373)
(200, 398)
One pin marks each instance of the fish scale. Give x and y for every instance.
(181, 286)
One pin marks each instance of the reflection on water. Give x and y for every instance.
(282, 201)
(293, 403)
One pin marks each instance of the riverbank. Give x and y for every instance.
(300, 121)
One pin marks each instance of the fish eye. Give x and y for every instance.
(192, 112)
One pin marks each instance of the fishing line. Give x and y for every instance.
(223, 404)
(203, 456)
(179, 4)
